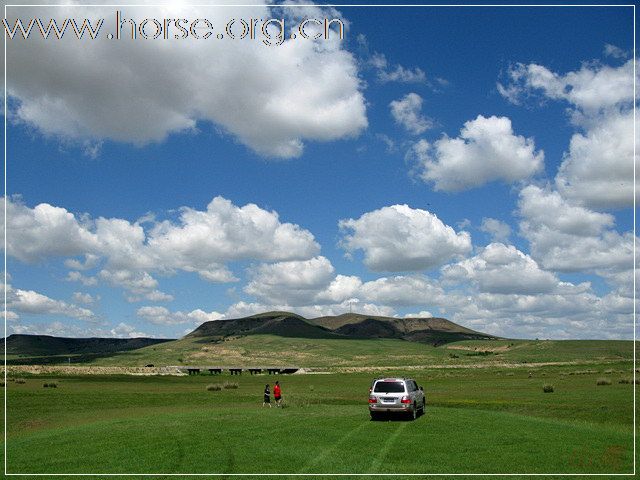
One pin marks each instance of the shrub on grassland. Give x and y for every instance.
(603, 381)
(547, 388)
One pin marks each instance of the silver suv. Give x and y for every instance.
(396, 395)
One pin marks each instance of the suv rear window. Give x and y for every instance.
(389, 387)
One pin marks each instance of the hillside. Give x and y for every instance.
(270, 338)
(283, 324)
(435, 331)
(45, 345)
(348, 353)
(287, 339)
(282, 339)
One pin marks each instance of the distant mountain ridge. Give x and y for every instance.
(284, 324)
(20, 344)
(432, 330)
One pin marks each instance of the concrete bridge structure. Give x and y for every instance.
(196, 370)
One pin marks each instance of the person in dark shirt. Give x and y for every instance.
(267, 396)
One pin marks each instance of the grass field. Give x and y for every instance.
(272, 350)
(480, 420)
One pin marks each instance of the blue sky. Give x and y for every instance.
(471, 163)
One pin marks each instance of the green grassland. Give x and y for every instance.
(481, 420)
(486, 410)
(273, 350)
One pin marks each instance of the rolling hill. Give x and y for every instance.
(47, 346)
(283, 324)
(435, 331)
(270, 338)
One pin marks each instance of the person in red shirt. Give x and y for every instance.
(277, 394)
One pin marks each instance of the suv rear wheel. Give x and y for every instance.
(413, 414)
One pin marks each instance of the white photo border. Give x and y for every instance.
(6, 473)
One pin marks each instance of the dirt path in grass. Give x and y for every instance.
(144, 371)
(90, 370)
(478, 365)
(328, 452)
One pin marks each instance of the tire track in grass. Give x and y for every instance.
(178, 456)
(328, 451)
(377, 461)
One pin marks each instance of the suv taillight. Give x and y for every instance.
(373, 399)
(405, 400)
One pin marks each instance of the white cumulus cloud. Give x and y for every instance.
(314, 284)
(486, 150)
(386, 73)
(568, 237)
(497, 229)
(297, 282)
(86, 298)
(403, 291)
(501, 268)
(174, 86)
(400, 238)
(34, 234)
(597, 169)
(30, 302)
(199, 241)
(163, 316)
(407, 111)
(590, 89)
